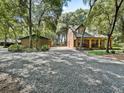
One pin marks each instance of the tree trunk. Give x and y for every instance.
(37, 29)
(30, 24)
(108, 43)
(37, 34)
(14, 33)
(5, 39)
(92, 4)
(82, 38)
(117, 6)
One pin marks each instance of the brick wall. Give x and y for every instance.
(70, 39)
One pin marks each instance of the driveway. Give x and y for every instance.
(60, 71)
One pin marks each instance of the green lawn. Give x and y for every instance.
(102, 52)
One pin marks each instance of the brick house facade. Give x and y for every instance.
(90, 41)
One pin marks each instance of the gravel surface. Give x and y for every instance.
(60, 71)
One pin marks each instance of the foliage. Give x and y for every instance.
(44, 48)
(15, 18)
(47, 17)
(72, 18)
(118, 46)
(16, 48)
(46, 14)
(113, 52)
(29, 50)
(20, 48)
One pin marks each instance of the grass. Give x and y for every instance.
(102, 52)
(96, 52)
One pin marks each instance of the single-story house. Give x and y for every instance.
(36, 41)
(90, 41)
(8, 42)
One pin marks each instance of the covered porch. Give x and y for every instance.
(92, 43)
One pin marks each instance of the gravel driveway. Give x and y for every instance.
(61, 71)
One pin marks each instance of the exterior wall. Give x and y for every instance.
(70, 39)
(40, 42)
(44, 42)
(88, 42)
(25, 42)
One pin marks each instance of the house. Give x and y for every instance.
(37, 41)
(90, 41)
(8, 42)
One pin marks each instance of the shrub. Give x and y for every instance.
(116, 48)
(15, 48)
(44, 48)
(30, 50)
(113, 52)
(116, 45)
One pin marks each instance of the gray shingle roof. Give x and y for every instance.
(34, 37)
(86, 34)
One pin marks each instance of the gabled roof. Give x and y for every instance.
(85, 34)
(9, 41)
(74, 29)
(34, 36)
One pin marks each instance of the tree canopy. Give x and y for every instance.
(45, 18)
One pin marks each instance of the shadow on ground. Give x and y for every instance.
(63, 71)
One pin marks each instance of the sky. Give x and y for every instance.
(74, 5)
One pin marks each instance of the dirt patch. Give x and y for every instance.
(9, 84)
(118, 57)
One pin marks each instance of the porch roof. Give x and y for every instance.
(88, 35)
(34, 37)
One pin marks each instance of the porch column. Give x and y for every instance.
(90, 43)
(76, 43)
(104, 44)
(99, 41)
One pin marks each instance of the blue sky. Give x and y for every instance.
(74, 5)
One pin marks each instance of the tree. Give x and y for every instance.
(117, 8)
(41, 13)
(9, 19)
(30, 23)
(86, 22)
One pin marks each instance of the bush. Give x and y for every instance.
(20, 48)
(116, 45)
(113, 52)
(30, 50)
(15, 48)
(116, 48)
(44, 48)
